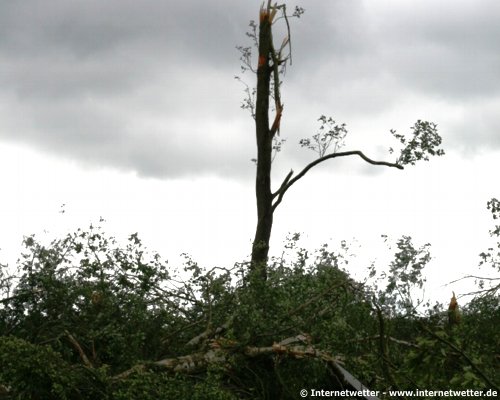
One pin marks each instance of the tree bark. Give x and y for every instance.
(260, 248)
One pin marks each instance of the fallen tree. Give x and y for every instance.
(88, 319)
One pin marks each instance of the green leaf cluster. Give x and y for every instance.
(87, 317)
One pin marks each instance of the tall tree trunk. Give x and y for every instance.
(424, 140)
(260, 248)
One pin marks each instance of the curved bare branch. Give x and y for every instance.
(287, 183)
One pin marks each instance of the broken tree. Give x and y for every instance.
(423, 142)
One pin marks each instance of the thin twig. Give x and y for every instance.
(473, 277)
(390, 338)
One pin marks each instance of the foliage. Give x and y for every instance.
(330, 133)
(404, 277)
(153, 385)
(491, 257)
(88, 318)
(35, 371)
(424, 143)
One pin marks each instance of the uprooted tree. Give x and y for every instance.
(272, 61)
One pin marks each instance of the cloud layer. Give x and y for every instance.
(148, 86)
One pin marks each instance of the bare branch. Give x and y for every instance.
(389, 338)
(472, 277)
(289, 35)
(79, 349)
(277, 97)
(489, 290)
(285, 182)
(209, 333)
(286, 185)
(221, 350)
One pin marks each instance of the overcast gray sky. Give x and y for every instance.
(130, 110)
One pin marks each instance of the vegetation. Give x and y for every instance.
(87, 318)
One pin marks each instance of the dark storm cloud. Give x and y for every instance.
(148, 86)
(449, 49)
(445, 48)
(86, 29)
(366, 58)
(127, 84)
